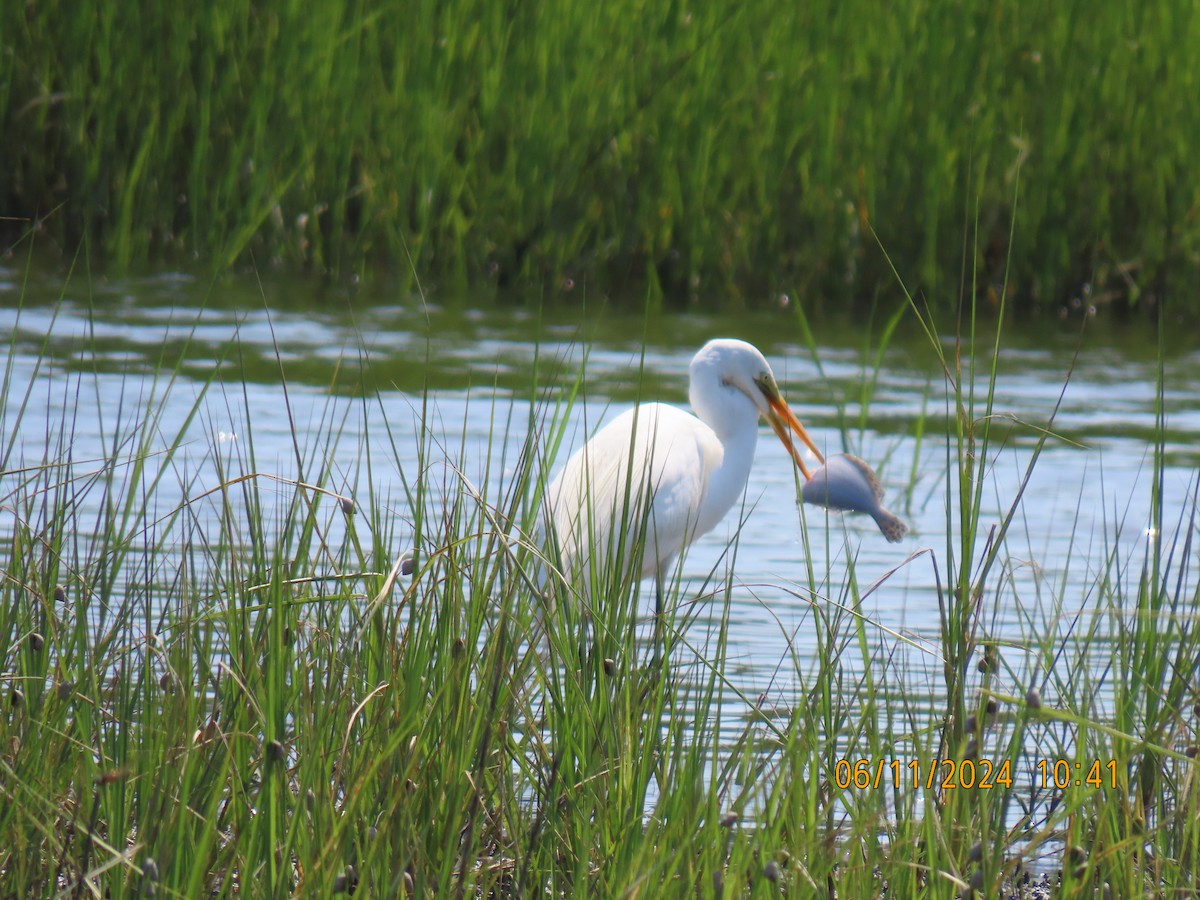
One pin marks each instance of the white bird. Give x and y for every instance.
(656, 477)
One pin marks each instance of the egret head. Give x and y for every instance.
(738, 365)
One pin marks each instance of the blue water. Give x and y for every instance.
(209, 366)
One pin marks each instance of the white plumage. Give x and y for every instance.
(660, 473)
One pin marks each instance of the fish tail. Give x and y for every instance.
(891, 526)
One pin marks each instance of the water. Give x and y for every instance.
(92, 355)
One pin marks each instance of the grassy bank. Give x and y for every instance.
(720, 155)
(220, 676)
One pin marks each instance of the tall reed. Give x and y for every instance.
(228, 672)
(717, 154)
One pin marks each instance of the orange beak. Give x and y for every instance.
(782, 419)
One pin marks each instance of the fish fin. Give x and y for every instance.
(869, 474)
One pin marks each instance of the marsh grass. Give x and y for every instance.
(679, 152)
(219, 676)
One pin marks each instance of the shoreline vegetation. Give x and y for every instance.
(224, 680)
(712, 157)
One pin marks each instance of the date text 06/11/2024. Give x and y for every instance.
(976, 774)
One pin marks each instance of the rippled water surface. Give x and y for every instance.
(90, 356)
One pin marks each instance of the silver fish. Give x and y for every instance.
(845, 482)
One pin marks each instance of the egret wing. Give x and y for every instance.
(636, 485)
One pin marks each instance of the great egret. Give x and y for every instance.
(657, 477)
